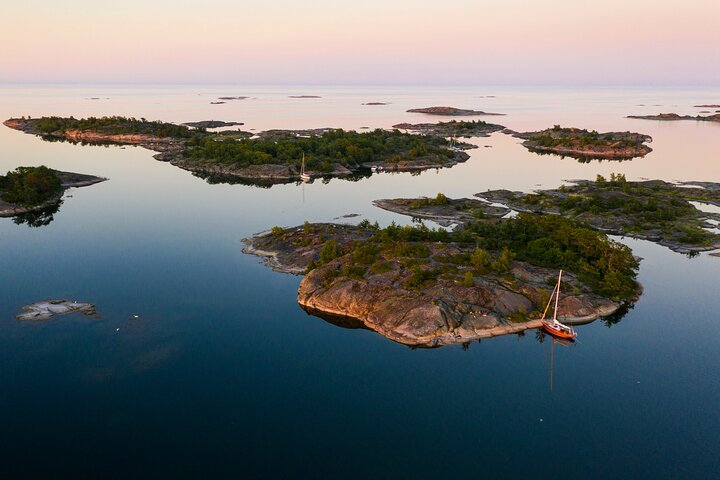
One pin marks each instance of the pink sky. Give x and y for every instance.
(657, 42)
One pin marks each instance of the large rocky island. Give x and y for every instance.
(651, 210)
(273, 157)
(585, 145)
(423, 287)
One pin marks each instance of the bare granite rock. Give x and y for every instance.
(48, 309)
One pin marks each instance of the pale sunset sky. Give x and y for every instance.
(453, 42)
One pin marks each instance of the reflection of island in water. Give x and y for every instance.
(38, 218)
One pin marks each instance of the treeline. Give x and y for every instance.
(114, 125)
(607, 267)
(552, 241)
(347, 148)
(30, 185)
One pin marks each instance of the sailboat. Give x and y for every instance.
(553, 327)
(304, 176)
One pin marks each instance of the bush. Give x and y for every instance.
(329, 252)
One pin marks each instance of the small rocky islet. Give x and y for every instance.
(585, 145)
(425, 287)
(450, 111)
(47, 309)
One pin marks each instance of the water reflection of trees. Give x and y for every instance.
(217, 179)
(614, 318)
(578, 157)
(38, 218)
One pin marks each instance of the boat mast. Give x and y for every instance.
(302, 166)
(557, 297)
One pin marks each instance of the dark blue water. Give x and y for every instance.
(224, 375)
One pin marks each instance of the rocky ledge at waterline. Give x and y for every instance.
(275, 156)
(585, 145)
(423, 287)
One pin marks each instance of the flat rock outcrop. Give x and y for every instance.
(47, 309)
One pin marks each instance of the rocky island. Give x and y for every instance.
(270, 157)
(453, 128)
(431, 287)
(212, 124)
(651, 210)
(585, 145)
(450, 111)
(48, 309)
(671, 117)
(34, 189)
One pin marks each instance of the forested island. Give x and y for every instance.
(585, 145)
(651, 210)
(431, 287)
(274, 156)
(35, 189)
(453, 128)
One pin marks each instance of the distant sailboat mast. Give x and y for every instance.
(303, 176)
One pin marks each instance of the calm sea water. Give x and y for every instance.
(224, 375)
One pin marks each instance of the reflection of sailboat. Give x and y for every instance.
(553, 341)
(303, 176)
(553, 327)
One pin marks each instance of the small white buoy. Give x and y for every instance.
(136, 316)
(541, 419)
(117, 329)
